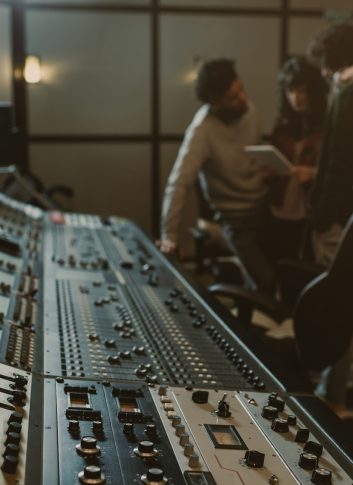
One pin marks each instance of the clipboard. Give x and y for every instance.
(270, 156)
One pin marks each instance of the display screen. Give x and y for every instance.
(225, 436)
(79, 400)
(128, 405)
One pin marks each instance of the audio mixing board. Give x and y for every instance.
(115, 369)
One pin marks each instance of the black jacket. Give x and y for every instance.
(333, 193)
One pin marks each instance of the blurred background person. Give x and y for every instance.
(297, 134)
(332, 49)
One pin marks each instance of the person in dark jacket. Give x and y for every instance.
(333, 194)
(332, 200)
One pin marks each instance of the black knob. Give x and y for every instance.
(308, 461)
(15, 417)
(18, 398)
(155, 475)
(91, 475)
(20, 382)
(139, 350)
(13, 438)
(302, 435)
(151, 430)
(74, 426)
(128, 428)
(14, 428)
(254, 459)
(145, 447)
(109, 343)
(12, 450)
(114, 359)
(314, 448)
(88, 443)
(88, 446)
(292, 420)
(269, 412)
(10, 464)
(276, 402)
(280, 425)
(92, 471)
(97, 427)
(321, 476)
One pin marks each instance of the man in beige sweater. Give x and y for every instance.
(213, 149)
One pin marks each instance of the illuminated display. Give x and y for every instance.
(225, 436)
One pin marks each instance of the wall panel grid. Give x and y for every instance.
(5, 54)
(123, 69)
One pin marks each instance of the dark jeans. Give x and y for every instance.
(246, 237)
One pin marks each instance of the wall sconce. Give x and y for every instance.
(32, 71)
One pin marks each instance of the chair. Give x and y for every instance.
(322, 314)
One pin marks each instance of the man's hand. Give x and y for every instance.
(167, 246)
(304, 173)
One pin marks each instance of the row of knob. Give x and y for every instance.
(235, 358)
(180, 430)
(13, 438)
(309, 459)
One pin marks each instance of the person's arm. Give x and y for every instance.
(192, 154)
(336, 179)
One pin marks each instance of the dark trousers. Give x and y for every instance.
(246, 237)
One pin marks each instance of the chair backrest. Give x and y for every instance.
(323, 315)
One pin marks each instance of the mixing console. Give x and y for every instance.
(114, 369)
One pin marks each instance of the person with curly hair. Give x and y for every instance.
(213, 150)
(297, 134)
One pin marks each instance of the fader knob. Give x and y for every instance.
(254, 459)
(308, 461)
(321, 476)
(15, 417)
(194, 460)
(10, 464)
(12, 450)
(179, 429)
(18, 398)
(184, 439)
(91, 475)
(13, 438)
(176, 421)
(14, 428)
(154, 475)
(189, 449)
(20, 382)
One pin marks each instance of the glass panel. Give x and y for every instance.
(96, 72)
(5, 54)
(322, 4)
(224, 3)
(105, 178)
(168, 155)
(302, 31)
(187, 40)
